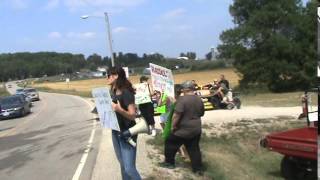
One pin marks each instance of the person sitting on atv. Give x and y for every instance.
(221, 91)
(212, 86)
(195, 85)
(224, 81)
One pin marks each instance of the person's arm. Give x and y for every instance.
(129, 114)
(178, 110)
(175, 120)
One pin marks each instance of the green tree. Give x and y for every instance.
(273, 43)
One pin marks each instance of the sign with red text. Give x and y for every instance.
(162, 79)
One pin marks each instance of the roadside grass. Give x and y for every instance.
(70, 91)
(234, 154)
(3, 90)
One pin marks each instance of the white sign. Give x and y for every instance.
(103, 102)
(126, 70)
(142, 95)
(67, 80)
(162, 79)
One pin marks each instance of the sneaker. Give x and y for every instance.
(153, 132)
(167, 165)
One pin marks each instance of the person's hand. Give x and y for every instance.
(116, 106)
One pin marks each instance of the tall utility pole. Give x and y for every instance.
(110, 38)
(108, 33)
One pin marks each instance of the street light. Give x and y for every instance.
(108, 33)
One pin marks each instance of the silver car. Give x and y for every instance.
(32, 93)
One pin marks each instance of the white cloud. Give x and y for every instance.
(120, 29)
(54, 35)
(19, 4)
(108, 5)
(52, 4)
(174, 13)
(81, 35)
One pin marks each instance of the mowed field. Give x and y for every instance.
(202, 77)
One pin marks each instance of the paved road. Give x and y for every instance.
(48, 143)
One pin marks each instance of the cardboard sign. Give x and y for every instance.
(103, 102)
(142, 95)
(162, 79)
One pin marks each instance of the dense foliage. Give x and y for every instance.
(273, 43)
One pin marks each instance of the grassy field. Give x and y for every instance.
(84, 87)
(3, 91)
(202, 77)
(234, 154)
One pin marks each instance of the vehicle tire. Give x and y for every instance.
(230, 106)
(289, 168)
(237, 102)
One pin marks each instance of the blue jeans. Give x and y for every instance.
(126, 155)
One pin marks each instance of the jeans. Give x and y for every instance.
(126, 155)
(173, 143)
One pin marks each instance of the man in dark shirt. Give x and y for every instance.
(224, 81)
(186, 128)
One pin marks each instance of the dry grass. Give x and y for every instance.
(233, 155)
(202, 77)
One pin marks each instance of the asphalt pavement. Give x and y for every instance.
(50, 142)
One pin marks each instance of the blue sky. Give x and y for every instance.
(139, 26)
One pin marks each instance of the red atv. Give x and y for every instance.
(299, 146)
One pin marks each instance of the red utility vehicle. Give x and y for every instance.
(299, 146)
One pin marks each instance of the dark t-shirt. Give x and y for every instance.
(125, 98)
(191, 109)
(225, 82)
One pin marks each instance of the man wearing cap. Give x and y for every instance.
(186, 128)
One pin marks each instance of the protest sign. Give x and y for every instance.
(142, 95)
(162, 79)
(103, 102)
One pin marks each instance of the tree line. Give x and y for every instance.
(29, 65)
(273, 43)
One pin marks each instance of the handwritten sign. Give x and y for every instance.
(103, 101)
(142, 95)
(162, 79)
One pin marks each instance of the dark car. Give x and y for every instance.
(13, 106)
(32, 93)
(26, 98)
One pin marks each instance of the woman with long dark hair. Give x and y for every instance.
(122, 94)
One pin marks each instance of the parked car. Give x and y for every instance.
(32, 93)
(13, 106)
(26, 98)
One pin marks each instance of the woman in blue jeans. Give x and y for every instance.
(123, 104)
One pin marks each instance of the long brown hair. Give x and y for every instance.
(122, 82)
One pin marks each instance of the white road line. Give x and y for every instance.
(84, 157)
